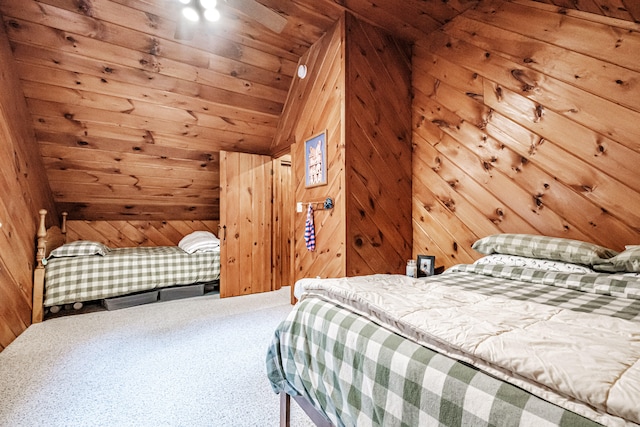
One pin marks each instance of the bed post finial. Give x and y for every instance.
(63, 228)
(42, 229)
(38, 273)
(42, 234)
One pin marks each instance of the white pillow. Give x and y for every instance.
(541, 264)
(199, 241)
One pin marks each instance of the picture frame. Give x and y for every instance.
(426, 265)
(315, 160)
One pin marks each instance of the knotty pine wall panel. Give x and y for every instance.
(316, 104)
(99, 78)
(24, 190)
(359, 91)
(124, 234)
(621, 9)
(377, 138)
(525, 129)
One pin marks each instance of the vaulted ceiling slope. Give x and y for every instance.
(130, 117)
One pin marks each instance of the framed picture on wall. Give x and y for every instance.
(426, 265)
(315, 160)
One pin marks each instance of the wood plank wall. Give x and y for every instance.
(359, 91)
(126, 234)
(24, 190)
(130, 120)
(315, 104)
(526, 120)
(377, 150)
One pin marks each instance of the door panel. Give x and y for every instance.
(282, 223)
(245, 221)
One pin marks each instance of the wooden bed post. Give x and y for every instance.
(38, 273)
(63, 228)
(57, 237)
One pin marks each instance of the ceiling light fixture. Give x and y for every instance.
(208, 4)
(212, 15)
(191, 14)
(195, 10)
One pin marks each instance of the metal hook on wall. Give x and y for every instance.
(328, 203)
(325, 205)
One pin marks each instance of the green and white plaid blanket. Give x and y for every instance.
(358, 373)
(124, 271)
(609, 294)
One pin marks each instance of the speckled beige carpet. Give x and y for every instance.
(190, 362)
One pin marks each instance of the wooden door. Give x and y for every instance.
(282, 223)
(245, 223)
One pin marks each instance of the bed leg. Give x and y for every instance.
(285, 409)
(316, 416)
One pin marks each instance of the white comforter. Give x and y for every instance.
(587, 363)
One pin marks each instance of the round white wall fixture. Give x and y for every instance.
(302, 71)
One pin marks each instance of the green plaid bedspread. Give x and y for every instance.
(360, 374)
(124, 271)
(616, 295)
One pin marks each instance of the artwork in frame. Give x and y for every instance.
(315, 160)
(426, 265)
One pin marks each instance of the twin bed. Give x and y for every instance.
(75, 272)
(539, 332)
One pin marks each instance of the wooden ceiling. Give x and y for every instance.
(130, 119)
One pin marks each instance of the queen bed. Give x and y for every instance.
(71, 273)
(540, 332)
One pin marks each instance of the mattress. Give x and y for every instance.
(449, 349)
(124, 271)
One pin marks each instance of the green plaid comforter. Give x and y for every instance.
(124, 271)
(609, 294)
(358, 373)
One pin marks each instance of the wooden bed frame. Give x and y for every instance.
(47, 240)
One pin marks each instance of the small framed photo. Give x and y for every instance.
(426, 265)
(315, 160)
